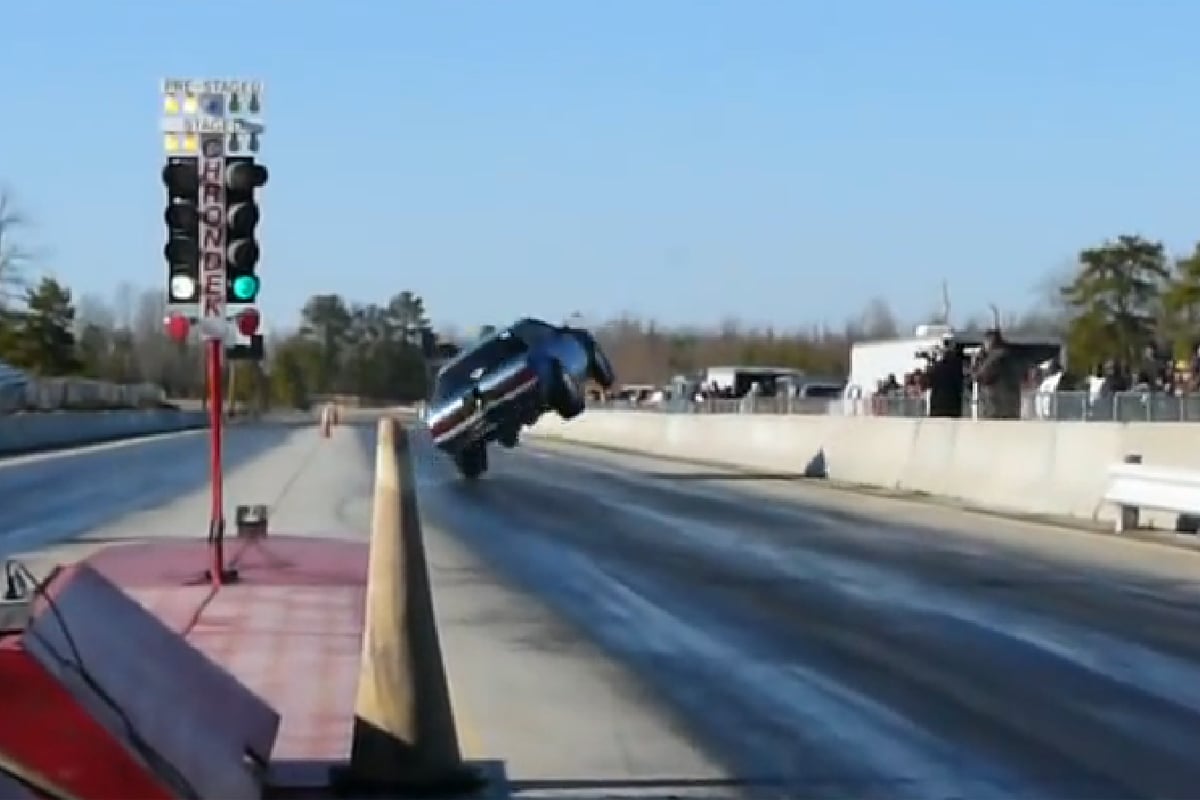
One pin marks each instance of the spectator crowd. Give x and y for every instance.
(1001, 383)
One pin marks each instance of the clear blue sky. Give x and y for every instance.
(780, 162)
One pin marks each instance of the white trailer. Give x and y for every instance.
(872, 362)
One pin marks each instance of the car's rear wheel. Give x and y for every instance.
(472, 461)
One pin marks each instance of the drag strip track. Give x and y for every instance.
(49, 498)
(843, 656)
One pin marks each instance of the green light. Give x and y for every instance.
(245, 287)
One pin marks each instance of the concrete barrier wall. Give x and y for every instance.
(24, 433)
(1044, 468)
(78, 394)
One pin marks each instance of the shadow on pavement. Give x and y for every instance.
(724, 476)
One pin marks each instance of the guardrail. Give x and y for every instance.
(78, 394)
(1045, 406)
(1134, 487)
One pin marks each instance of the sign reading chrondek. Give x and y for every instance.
(212, 235)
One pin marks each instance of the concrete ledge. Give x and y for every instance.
(1056, 469)
(27, 433)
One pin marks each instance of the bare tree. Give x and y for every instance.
(94, 310)
(125, 305)
(877, 321)
(450, 333)
(153, 349)
(14, 257)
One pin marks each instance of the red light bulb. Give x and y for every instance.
(178, 327)
(248, 322)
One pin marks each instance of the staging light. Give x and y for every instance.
(181, 177)
(182, 215)
(245, 288)
(243, 176)
(248, 322)
(181, 143)
(214, 105)
(183, 289)
(172, 106)
(177, 327)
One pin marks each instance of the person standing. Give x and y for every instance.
(999, 383)
(946, 382)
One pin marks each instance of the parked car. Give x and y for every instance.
(507, 381)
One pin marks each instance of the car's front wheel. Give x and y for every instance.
(601, 368)
(568, 394)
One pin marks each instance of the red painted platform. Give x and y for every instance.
(289, 629)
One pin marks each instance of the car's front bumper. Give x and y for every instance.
(481, 421)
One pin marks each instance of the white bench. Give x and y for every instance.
(1133, 486)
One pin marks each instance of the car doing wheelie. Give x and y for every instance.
(505, 382)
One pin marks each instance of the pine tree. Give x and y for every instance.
(1115, 300)
(44, 340)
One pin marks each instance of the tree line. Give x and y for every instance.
(369, 350)
(1123, 300)
(372, 351)
(1123, 296)
(646, 352)
(361, 349)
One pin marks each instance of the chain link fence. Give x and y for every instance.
(1048, 406)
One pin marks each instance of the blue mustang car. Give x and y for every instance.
(505, 382)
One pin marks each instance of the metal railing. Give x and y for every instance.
(1047, 406)
(724, 405)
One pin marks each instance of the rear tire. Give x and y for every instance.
(472, 461)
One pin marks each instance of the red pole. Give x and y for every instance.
(216, 524)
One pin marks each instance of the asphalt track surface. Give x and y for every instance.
(624, 626)
(843, 655)
(52, 497)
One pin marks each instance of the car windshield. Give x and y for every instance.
(487, 354)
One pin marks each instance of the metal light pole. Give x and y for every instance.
(208, 119)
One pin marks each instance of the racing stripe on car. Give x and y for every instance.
(453, 424)
(518, 380)
(455, 419)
